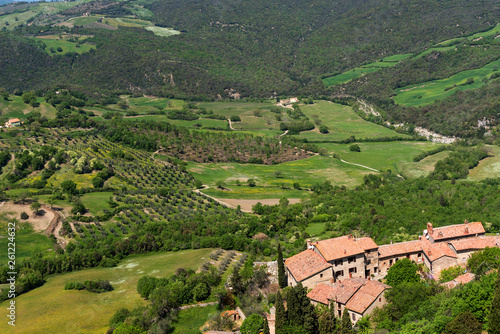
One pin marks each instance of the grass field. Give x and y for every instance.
(27, 241)
(51, 309)
(190, 320)
(163, 32)
(368, 68)
(9, 21)
(306, 171)
(489, 167)
(428, 92)
(342, 122)
(397, 156)
(66, 46)
(96, 202)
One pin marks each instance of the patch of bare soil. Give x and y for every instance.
(40, 223)
(246, 204)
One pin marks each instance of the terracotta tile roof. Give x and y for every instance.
(365, 296)
(306, 264)
(462, 279)
(366, 243)
(400, 248)
(460, 230)
(344, 290)
(338, 248)
(436, 250)
(14, 120)
(476, 243)
(229, 313)
(322, 293)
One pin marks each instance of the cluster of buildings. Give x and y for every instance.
(341, 271)
(13, 122)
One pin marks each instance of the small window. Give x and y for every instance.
(353, 270)
(375, 270)
(368, 261)
(351, 259)
(320, 275)
(380, 299)
(353, 317)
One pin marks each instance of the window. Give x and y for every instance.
(351, 259)
(339, 273)
(338, 262)
(380, 299)
(390, 263)
(353, 270)
(375, 270)
(368, 261)
(353, 317)
(320, 275)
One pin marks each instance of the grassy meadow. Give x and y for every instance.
(428, 92)
(73, 311)
(66, 46)
(489, 167)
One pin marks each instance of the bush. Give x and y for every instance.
(24, 215)
(235, 118)
(323, 129)
(354, 148)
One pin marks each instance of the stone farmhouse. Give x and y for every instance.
(13, 122)
(339, 269)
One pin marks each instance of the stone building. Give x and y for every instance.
(308, 268)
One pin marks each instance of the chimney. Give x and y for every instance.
(429, 252)
(349, 236)
(308, 241)
(429, 228)
(466, 222)
(345, 252)
(466, 230)
(419, 237)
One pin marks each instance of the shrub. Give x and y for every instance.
(24, 215)
(354, 148)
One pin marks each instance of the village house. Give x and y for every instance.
(390, 254)
(308, 268)
(359, 295)
(465, 247)
(462, 279)
(454, 232)
(13, 122)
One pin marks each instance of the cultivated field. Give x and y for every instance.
(51, 309)
(489, 167)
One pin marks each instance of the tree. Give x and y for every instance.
(327, 321)
(35, 206)
(24, 215)
(354, 148)
(402, 271)
(281, 268)
(281, 317)
(97, 182)
(494, 317)
(323, 129)
(451, 273)
(201, 292)
(346, 325)
(465, 323)
(277, 174)
(251, 182)
(69, 187)
(220, 184)
(296, 185)
(253, 324)
(266, 327)
(482, 261)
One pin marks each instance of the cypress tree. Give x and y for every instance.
(266, 327)
(494, 317)
(294, 308)
(281, 269)
(308, 315)
(281, 318)
(346, 326)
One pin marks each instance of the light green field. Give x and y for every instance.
(368, 68)
(306, 171)
(255, 193)
(489, 167)
(65, 45)
(190, 320)
(51, 309)
(428, 92)
(397, 156)
(27, 241)
(163, 32)
(96, 202)
(82, 21)
(493, 31)
(315, 229)
(11, 19)
(342, 122)
(66, 173)
(437, 48)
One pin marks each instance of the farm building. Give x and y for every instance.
(13, 122)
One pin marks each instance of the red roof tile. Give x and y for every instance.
(460, 230)
(321, 293)
(344, 290)
(306, 264)
(462, 279)
(338, 248)
(400, 248)
(436, 250)
(365, 296)
(14, 120)
(366, 243)
(476, 243)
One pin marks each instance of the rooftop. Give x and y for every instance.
(306, 264)
(462, 279)
(366, 243)
(400, 248)
(337, 248)
(344, 290)
(476, 243)
(322, 293)
(365, 296)
(454, 231)
(436, 250)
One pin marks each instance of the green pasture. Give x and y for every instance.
(163, 32)
(9, 21)
(306, 172)
(493, 31)
(204, 122)
(51, 309)
(27, 241)
(424, 166)
(255, 193)
(342, 122)
(190, 320)
(437, 48)
(82, 21)
(315, 229)
(368, 68)
(96, 202)
(140, 11)
(397, 155)
(489, 167)
(65, 45)
(67, 174)
(428, 92)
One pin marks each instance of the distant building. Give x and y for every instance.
(13, 122)
(462, 279)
